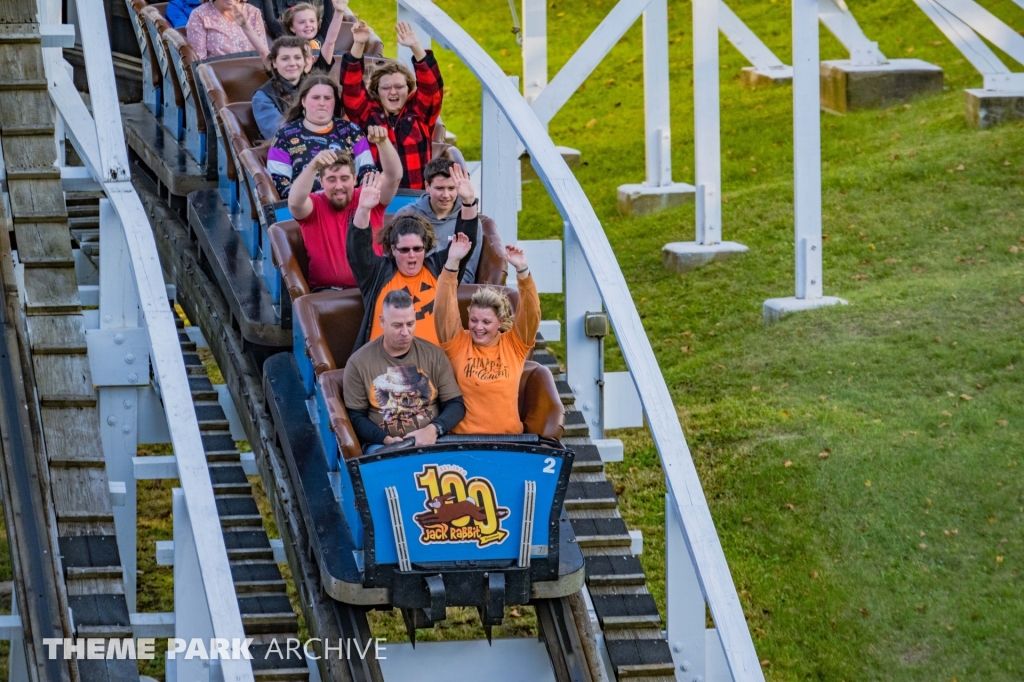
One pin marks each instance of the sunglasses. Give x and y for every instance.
(406, 249)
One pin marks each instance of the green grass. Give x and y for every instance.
(898, 555)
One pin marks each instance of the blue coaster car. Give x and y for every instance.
(469, 521)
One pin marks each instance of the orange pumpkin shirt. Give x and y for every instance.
(488, 376)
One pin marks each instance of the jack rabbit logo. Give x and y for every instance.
(458, 509)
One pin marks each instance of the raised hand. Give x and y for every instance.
(459, 248)
(377, 135)
(463, 185)
(239, 16)
(369, 197)
(408, 38)
(340, 6)
(516, 257)
(406, 35)
(361, 33)
(324, 159)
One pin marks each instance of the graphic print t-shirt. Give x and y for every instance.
(423, 289)
(403, 394)
(296, 145)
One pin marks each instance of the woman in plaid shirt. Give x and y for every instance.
(407, 105)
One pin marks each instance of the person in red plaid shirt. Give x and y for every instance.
(407, 106)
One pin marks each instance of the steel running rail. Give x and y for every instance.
(99, 140)
(683, 484)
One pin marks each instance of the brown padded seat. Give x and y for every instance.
(146, 44)
(288, 252)
(176, 42)
(231, 80)
(540, 409)
(254, 161)
(330, 321)
(239, 127)
(156, 14)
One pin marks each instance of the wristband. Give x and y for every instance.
(475, 202)
(449, 269)
(519, 272)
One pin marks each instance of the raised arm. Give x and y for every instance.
(407, 38)
(527, 319)
(354, 97)
(466, 222)
(360, 36)
(299, 202)
(390, 163)
(447, 321)
(333, 29)
(427, 99)
(253, 28)
(359, 242)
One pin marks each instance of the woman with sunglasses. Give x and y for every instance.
(404, 265)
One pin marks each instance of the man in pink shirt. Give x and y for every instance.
(324, 215)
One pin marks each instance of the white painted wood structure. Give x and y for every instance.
(806, 167)
(134, 332)
(763, 60)
(966, 24)
(593, 278)
(548, 97)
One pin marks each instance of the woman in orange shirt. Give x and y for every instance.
(488, 357)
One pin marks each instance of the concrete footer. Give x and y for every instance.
(986, 108)
(687, 256)
(846, 86)
(777, 308)
(639, 199)
(754, 78)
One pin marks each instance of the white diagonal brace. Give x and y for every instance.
(972, 47)
(988, 25)
(587, 57)
(746, 41)
(106, 109)
(840, 21)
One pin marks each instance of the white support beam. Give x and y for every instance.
(535, 48)
(587, 57)
(684, 601)
(10, 627)
(106, 108)
(707, 122)
(57, 35)
(154, 625)
(155, 467)
(501, 181)
(807, 148)
(806, 168)
(988, 25)
(78, 124)
(747, 42)
(971, 46)
(657, 124)
(840, 21)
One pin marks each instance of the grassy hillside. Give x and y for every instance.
(860, 462)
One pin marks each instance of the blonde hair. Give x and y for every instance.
(496, 301)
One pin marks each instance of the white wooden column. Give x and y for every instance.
(535, 48)
(684, 601)
(501, 184)
(707, 245)
(807, 148)
(191, 610)
(583, 353)
(706, 114)
(119, 364)
(657, 124)
(806, 168)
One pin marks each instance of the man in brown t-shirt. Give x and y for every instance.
(398, 386)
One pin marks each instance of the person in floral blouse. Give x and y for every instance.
(222, 27)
